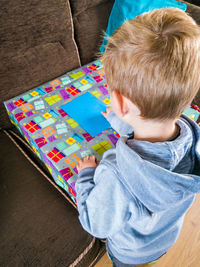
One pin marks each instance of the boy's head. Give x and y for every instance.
(154, 61)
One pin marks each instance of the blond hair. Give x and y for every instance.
(154, 60)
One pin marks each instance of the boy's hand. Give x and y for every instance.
(108, 110)
(87, 162)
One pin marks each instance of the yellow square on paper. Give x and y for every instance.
(34, 93)
(70, 140)
(47, 115)
(107, 101)
(84, 81)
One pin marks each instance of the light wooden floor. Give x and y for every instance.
(186, 251)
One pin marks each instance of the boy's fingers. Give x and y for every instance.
(79, 162)
(78, 165)
(92, 157)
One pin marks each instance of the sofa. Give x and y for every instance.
(39, 41)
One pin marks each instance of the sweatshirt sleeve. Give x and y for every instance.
(102, 206)
(118, 125)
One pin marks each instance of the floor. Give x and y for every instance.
(186, 251)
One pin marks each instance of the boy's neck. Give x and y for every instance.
(153, 131)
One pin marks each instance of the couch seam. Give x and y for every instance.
(89, 7)
(35, 165)
(86, 250)
(73, 38)
(95, 259)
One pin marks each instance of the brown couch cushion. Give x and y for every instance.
(194, 2)
(32, 68)
(37, 45)
(90, 20)
(194, 12)
(38, 226)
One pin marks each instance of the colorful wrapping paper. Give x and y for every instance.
(57, 139)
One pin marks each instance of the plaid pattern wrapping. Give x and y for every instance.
(32, 127)
(64, 94)
(48, 89)
(98, 79)
(55, 155)
(62, 112)
(66, 173)
(72, 90)
(87, 137)
(41, 141)
(72, 160)
(55, 137)
(19, 116)
(19, 102)
(26, 107)
(102, 147)
(48, 131)
(53, 99)
(72, 123)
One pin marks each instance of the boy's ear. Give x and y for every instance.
(120, 103)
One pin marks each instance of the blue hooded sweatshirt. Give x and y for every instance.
(138, 195)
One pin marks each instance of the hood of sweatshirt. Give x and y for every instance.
(165, 173)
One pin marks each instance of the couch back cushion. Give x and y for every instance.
(90, 21)
(37, 45)
(194, 12)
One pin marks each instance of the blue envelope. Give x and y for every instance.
(86, 111)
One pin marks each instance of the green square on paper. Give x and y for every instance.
(46, 122)
(98, 63)
(73, 148)
(191, 113)
(26, 97)
(65, 80)
(85, 87)
(38, 119)
(61, 145)
(33, 98)
(77, 84)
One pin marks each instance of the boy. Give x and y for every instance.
(138, 195)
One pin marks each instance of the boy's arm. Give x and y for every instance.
(118, 125)
(99, 201)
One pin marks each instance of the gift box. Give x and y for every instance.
(56, 138)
